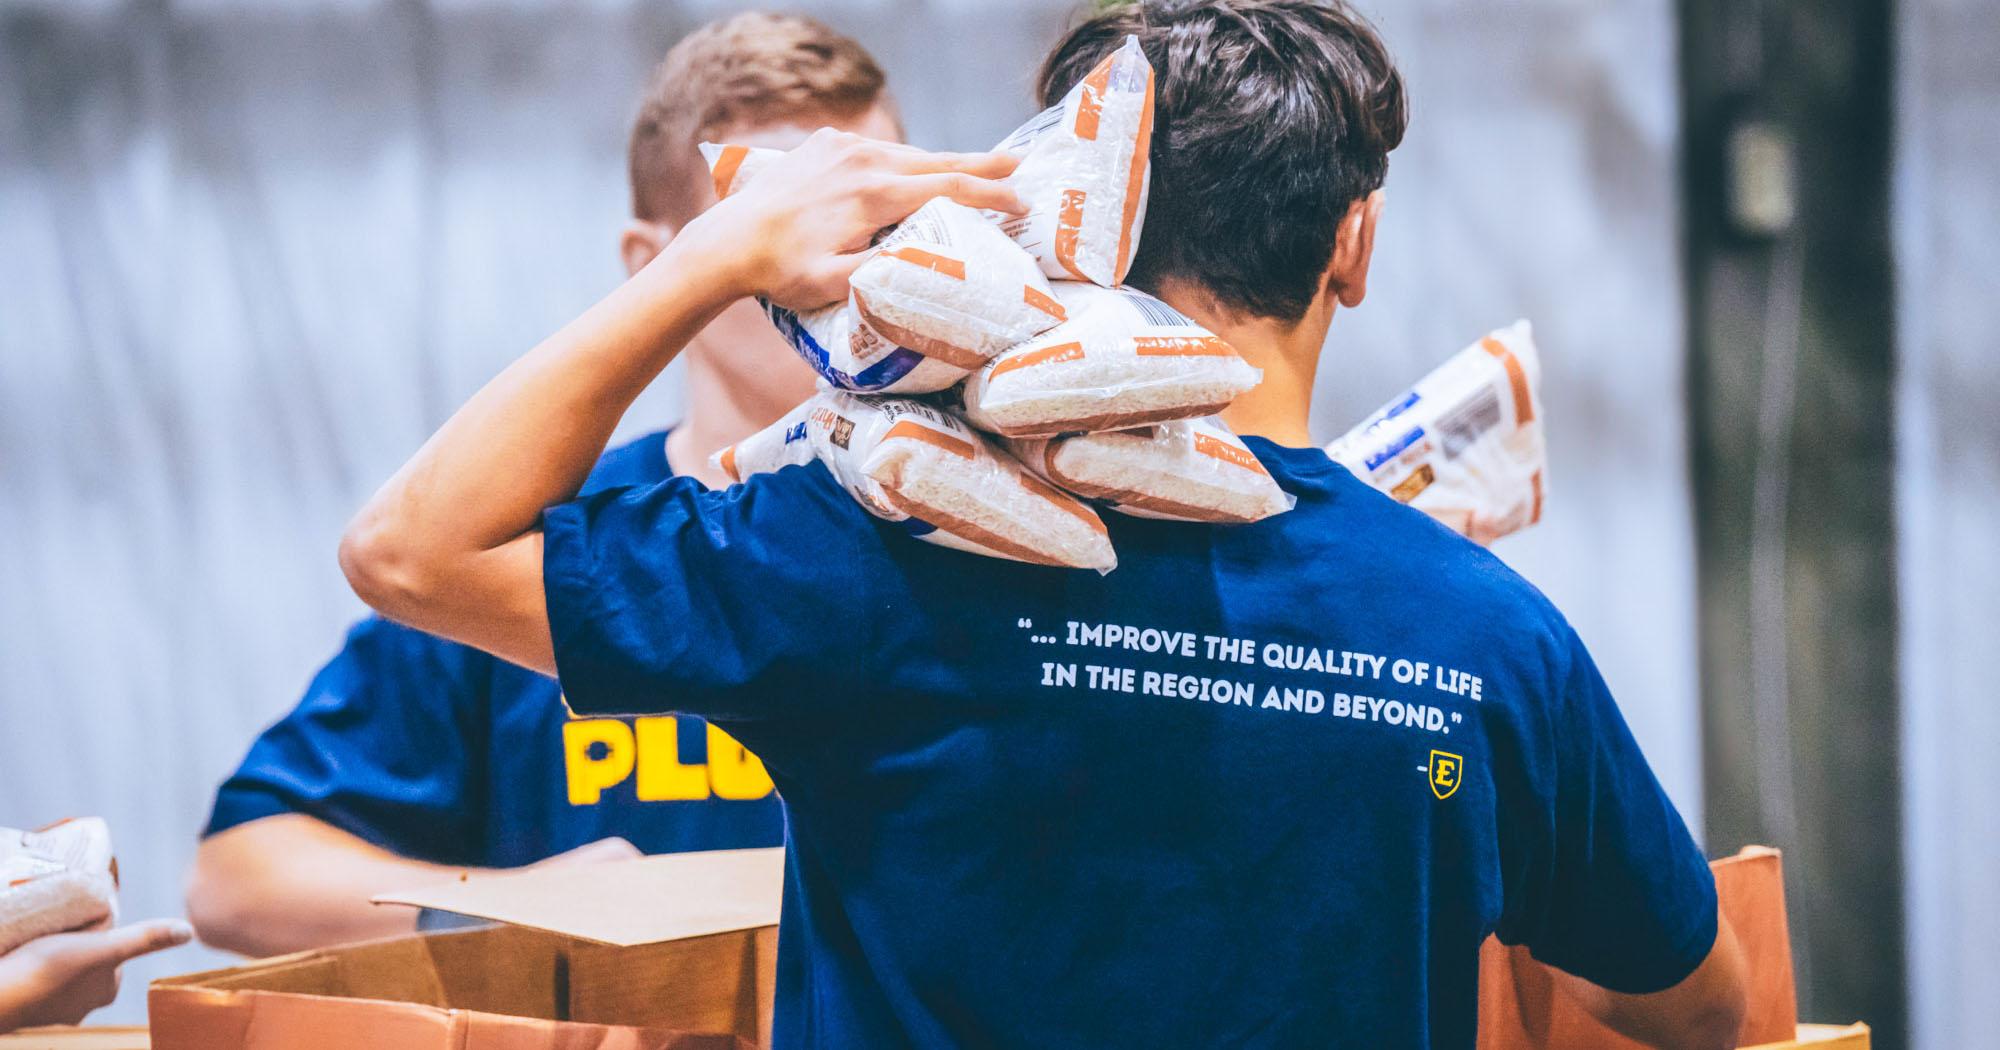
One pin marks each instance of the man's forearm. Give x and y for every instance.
(1703, 1012)
(450, 544)
(524, 442)
(290, 882)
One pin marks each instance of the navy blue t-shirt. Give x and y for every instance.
(440, 752)
(1267, 784)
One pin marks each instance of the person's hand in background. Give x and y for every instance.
(59, 978)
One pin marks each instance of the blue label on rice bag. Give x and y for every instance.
(1393, 449)
(897, 364)
(1408, 402)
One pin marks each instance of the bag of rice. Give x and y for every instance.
(1465, 444)
(58, 879)
(1123, 359)
(944, 292)
(906, 461)
(1084, 172)
(1187, 470)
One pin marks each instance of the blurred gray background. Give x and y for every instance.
(253, 251)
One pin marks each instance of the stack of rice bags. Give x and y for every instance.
(987, 380)
(989, 384)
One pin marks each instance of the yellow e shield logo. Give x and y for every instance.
(1446, 769)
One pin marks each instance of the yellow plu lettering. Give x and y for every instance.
(733, 771)
(589, 774)
(662, 776)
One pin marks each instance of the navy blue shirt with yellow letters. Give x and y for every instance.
(437, 751)
(1264, 785)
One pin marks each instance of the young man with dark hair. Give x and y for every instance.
(413, 758)
(1267, 784)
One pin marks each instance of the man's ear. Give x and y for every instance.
(640, 242)
(1353, 249)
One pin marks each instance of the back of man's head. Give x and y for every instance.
(1272, 118)
(747, 71)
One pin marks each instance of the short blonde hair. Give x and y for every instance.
(748, 69)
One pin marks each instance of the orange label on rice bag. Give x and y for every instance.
(1216, 448)
(726, 166)
(1517, 379)
(1069, 230)
(1044, 302)
(915, 431)
(1091, 104)
(932, 261)
(1181, 346)
(1048, 355)
(1413, 486)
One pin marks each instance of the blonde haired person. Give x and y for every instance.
(410, 757)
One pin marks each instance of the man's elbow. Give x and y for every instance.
(221, 907)
(1712, 1019)
(1716, 1024)
(384, 568)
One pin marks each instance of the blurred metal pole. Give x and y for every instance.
(1787, 137)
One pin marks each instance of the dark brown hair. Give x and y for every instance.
(748, 69)
(1271, 118)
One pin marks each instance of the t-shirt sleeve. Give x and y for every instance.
(1619, 894)
(750, 602)
(382, 745)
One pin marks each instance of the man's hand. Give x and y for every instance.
(59, 978)
(798, 230)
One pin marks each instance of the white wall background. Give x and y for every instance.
(252, 252)
(1947, 216)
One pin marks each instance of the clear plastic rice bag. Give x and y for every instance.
(1187, 470)
(1084, 173)
(1122, 359)
(907, 461)
(1465, 444)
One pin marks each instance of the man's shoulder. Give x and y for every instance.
(1436, 568)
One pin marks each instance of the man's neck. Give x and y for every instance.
(1278, 408)
(718, 414)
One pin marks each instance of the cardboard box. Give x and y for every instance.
(676, 952)
(679, 952)
(64, 1038)
(1519, 1008)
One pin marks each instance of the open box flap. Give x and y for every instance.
(623, 903)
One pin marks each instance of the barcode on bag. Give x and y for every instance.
(1465, 424)
(1155, 312)
(1025, 135)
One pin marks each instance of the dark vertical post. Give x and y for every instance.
(1787, 111)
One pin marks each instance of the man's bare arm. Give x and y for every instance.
(1703, 1012)
(289, 882)
(451, 544)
